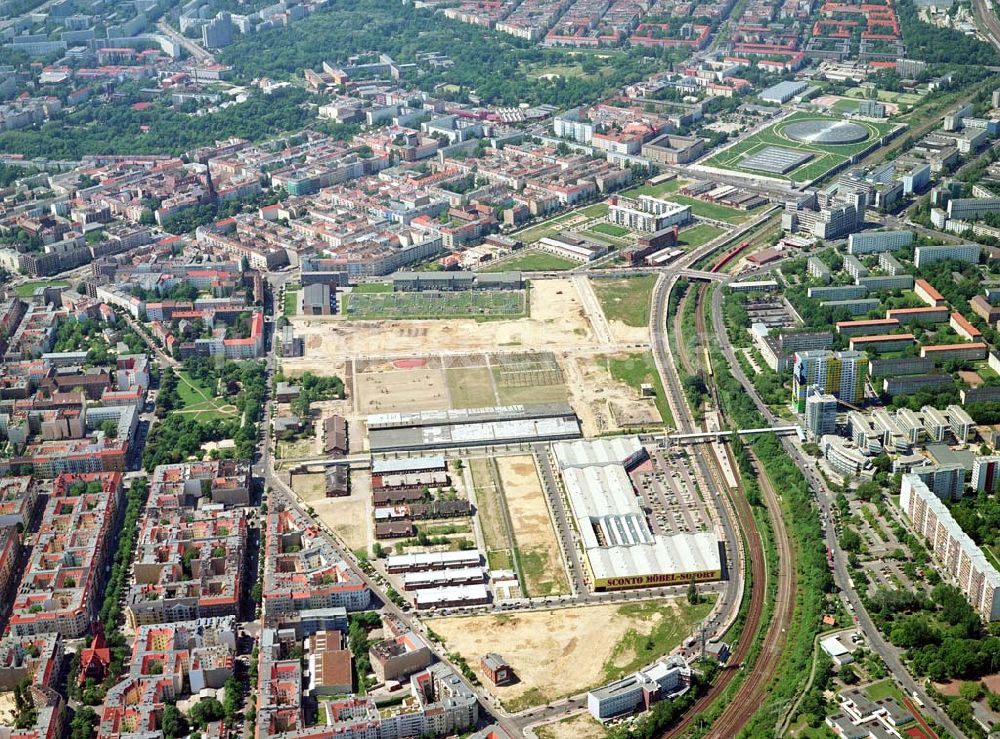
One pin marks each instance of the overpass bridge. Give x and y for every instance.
(612, 272)
(719, 435)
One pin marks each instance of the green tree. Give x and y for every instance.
(173, 724)
(83, 723)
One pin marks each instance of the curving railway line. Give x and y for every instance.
(752, 691)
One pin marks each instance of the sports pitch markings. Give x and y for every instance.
(825, 156)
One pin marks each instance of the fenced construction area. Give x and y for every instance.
(528, 378)
(434, 304)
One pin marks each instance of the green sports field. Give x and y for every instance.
(431, 304)
(825, 156)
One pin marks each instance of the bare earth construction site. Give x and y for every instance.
(473, 514)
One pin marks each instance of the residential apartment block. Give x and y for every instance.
(957, 554)
(840, 374)
(303, 571)
(64, 577)
(189, 558)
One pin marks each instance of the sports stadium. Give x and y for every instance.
(801, 147)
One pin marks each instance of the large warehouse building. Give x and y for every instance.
(622, 550)
(510, 424)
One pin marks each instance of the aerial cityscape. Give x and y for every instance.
(560, 369)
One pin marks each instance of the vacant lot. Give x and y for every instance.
(636, 369)
(533, 260)
(603, 402)
(567, 651)
(557, 320)
(401, 385)
(349, 517)
(490, 514)
(538, 552)
(303, 448)
(699, 235)
(580, 726)
(431, 304)
(528, 378)
(471, 387)
(626, 300)
(664, 188)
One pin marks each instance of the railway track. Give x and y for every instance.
(754, 564)
(752, 691)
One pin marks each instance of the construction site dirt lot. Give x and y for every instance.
(580, 726)
(602, 403)
(349, 517)
(557, 319)
(401, 385)
(554, 653)
(541, 563)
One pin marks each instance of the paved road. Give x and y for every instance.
(163, 357)
(189, 45)
(824, 499)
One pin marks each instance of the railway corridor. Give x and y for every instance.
(758, 576)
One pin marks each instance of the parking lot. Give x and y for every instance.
(672, 496)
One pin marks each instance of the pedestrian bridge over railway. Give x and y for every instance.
(717, 435)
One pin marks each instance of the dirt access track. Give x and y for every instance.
(557, 321)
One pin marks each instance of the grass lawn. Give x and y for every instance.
(424, 305)
(595, 211)
(610, 229)
(562, 70)
(200, 401)
(291, 306)
(372, 287)
(700, 234)
(714, 211)
(825, 156)
(626, 299)
(664, 188)
(667, 633)
(800, 730)
(532, 260)
(499, 560)
(903, 98)
(635, 369)
(28, 288)
(846, 106)
(539, 231)
(884, 689)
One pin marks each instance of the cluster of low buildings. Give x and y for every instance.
(308, 594)
(412, 489)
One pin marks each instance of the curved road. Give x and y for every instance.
(752, 691)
